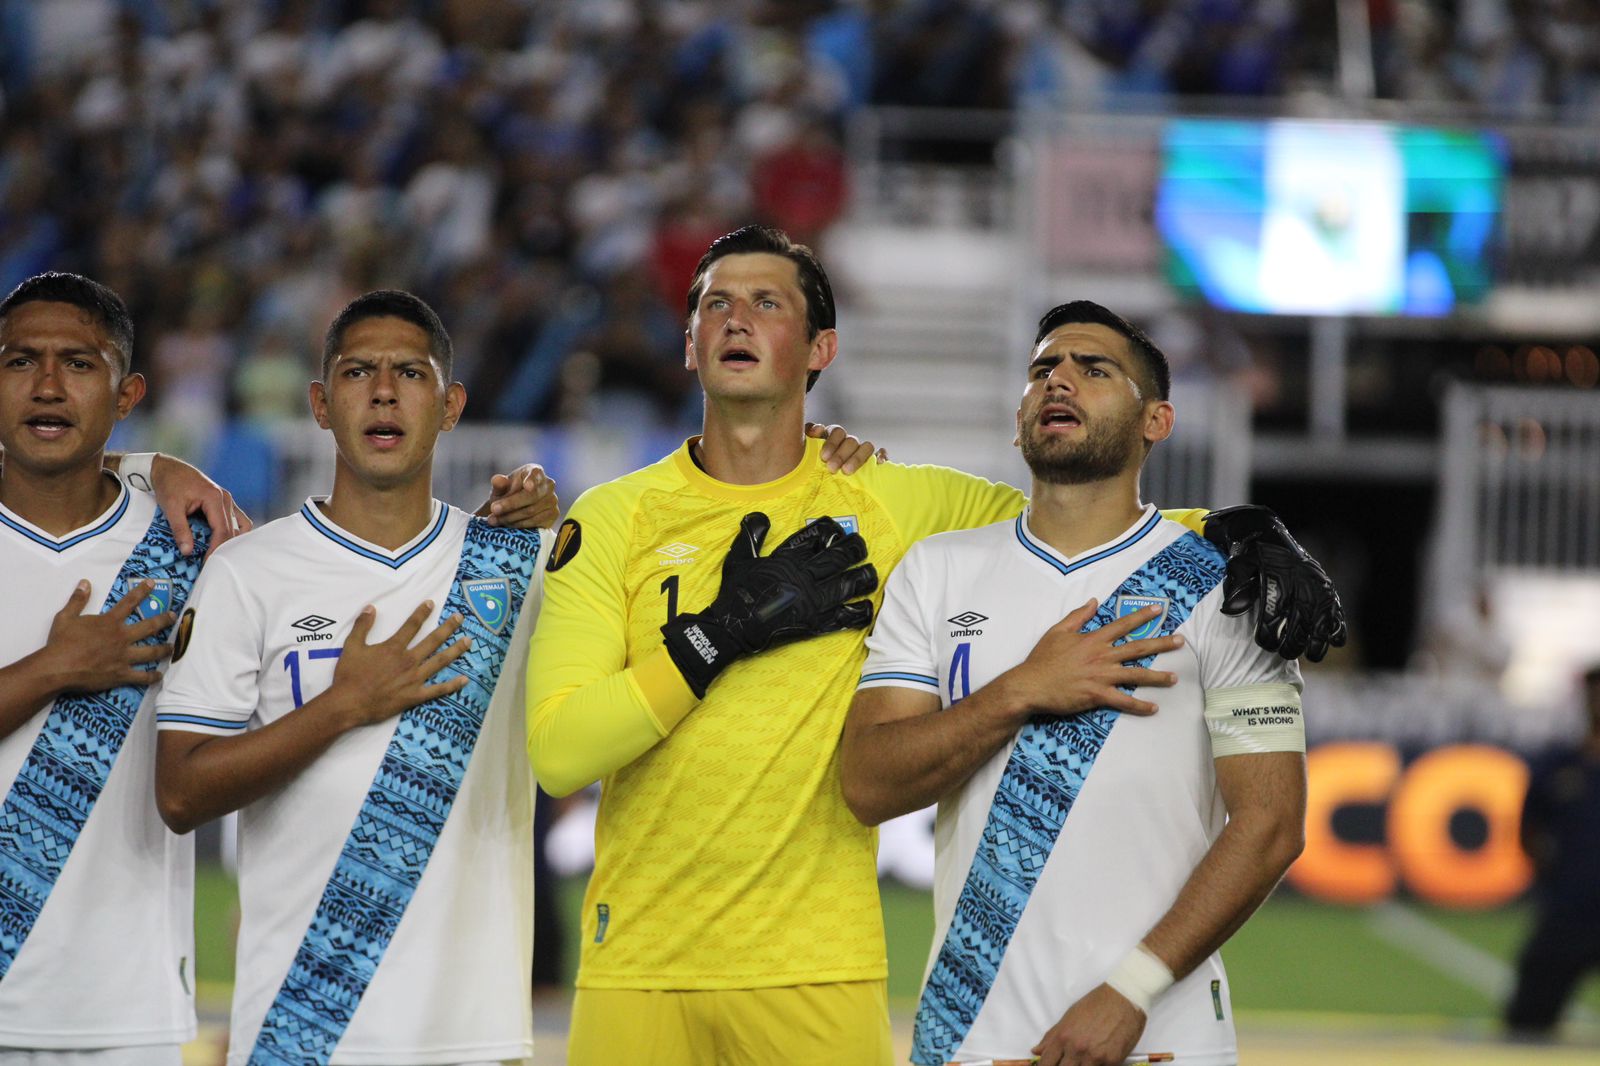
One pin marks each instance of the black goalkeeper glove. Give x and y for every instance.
(808, 586)
(1299, 610)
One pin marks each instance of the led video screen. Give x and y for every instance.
(1329, 218)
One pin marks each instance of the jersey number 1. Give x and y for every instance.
(669, 588)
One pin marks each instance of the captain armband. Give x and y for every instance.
(1253, 719)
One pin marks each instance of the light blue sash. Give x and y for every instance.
(1047, 768)
(405, 810)
(67, 768)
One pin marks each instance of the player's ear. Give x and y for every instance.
(689, 361)
(455, 401)
(824, 349)
(319, 404)
(1158, 421)
(129, 393)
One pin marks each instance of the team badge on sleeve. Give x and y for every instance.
(180, 640)
(490, 600)
(1126, 605)
(569, 538)
(157, 601)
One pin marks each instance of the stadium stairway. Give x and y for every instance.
(928, 368)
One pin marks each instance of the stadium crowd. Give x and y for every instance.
(546, 173)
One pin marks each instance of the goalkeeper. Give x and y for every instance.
(733, 912)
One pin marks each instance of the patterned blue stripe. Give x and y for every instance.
(393, 562)
(1042, 778)
(63, 545)
(195, 719)
(399, 823)
(922, 679)
(67, 768)
(1066, 568)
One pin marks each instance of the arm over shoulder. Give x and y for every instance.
(925, 500)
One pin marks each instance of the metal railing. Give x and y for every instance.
(1520, 486)
(1206, 462)
(929, 167)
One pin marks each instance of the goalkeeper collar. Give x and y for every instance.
(698, 480)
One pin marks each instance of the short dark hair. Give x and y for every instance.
(103, 305)
(768, 240)
(391, 303)
(1087, 311)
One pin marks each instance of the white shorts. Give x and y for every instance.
(140, 1055)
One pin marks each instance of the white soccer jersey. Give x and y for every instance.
(271, 612)
(963, 608)
(110, 960)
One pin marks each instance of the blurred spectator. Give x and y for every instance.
(619, 347)
(800, 184)
(30, 231)
(1561, 833)
(283, 155)
(189, 370)
(270, 383)
(682, 235)
(1537, 59)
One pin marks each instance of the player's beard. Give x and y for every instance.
(1104, 450)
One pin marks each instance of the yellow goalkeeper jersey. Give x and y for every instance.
(725, 854)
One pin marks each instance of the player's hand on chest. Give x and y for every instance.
(677, 563)
(305, 648)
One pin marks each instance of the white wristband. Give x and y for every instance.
(135, 470)
(1141, 977)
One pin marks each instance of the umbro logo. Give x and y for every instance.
(312, 626)
(966, 624)
(677, 553)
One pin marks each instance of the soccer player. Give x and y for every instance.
(96, 922)
(179, 488)
(733, 912)
(1088, 863)
(349, 679)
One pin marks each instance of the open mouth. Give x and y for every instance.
(1059, 417)
(48, 425)
(739, 357)
(384, 433)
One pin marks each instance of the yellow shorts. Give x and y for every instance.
(804, 1025)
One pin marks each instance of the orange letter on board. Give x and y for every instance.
(1487, 780)
(1329, 868)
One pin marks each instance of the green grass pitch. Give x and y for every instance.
(1294, 956)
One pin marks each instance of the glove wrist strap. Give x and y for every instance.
(695, 650)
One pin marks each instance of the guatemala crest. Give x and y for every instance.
(490, 600)
(847, 522)
(157, 601)
(1126, 605)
